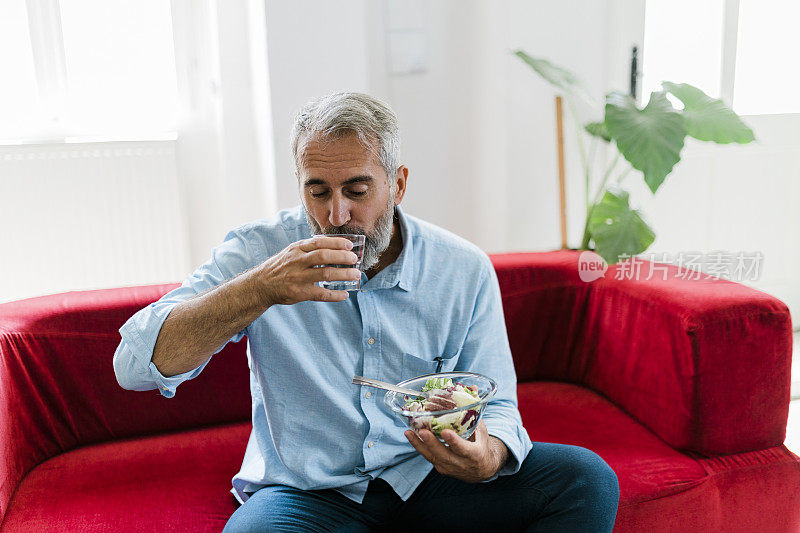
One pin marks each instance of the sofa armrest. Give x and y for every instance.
(58, 389)
(703, 363)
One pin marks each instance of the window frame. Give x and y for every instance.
(728, 57)
(730, 37)
(49, 62)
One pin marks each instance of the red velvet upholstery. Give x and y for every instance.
(661, 488)
(695, 361)
(681, 386)
(58, 390)
(168, 482)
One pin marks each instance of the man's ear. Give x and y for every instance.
(400, 180)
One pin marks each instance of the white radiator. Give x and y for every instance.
(89, 215)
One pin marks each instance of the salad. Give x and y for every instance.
(446, 395)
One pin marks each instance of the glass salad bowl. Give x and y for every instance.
(457, 402)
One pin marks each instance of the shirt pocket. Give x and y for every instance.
(414, 366)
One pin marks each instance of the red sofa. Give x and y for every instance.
(682, 386)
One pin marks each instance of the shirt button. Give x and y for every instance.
(368, 394)
(370, 444)
(371, 341)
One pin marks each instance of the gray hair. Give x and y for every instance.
(338, 114)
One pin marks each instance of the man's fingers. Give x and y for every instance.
(441, 455)
(318, 294)
(412, 437)
(326, 256)
(461, 459)
(480, 435)
(317, 242)
(335, 274)
(458, 445)
(419, 445)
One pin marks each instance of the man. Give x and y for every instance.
(327, 455)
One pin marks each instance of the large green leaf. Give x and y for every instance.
(598, 129)
(650, 138)
(558, 77)
(617, 229)
(709, 119)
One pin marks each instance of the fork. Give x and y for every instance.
(361, 380)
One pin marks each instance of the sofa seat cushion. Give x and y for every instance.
(170, 482)
(157, 482)
(662, 489)
(181, 481)
(647, 467)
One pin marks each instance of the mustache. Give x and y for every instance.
(347, 228)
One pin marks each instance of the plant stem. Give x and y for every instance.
(624, 174)
(586, 236)
(592, 152)
(590, 207)
(581, 148)
(605, 179)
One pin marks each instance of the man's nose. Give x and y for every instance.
(340, 212)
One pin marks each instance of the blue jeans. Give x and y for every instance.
(558, 488)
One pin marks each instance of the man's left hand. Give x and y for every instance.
(472, 461)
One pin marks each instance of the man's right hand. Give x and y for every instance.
(199, 326)
(290, 276)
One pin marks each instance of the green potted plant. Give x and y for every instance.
(650, 142)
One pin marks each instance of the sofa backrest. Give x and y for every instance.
(58, 389)
(703, 362)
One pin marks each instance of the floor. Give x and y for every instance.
(793, 428)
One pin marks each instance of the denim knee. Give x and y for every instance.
(595, 480)
(249, 521)
(242, 522)
(261, 512)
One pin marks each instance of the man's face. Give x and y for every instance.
(344, 190)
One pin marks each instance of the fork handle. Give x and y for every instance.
(361, 380)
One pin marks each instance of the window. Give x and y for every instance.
(84, 68)
(19, 105)
(681, 48)
(767, 72)
(739, 50)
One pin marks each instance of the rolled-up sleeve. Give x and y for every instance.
(486, 351)
(133, 365)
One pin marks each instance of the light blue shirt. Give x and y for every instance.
(312, 428)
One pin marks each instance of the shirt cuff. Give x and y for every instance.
(167, 385)
(517, 444)
(141, 331)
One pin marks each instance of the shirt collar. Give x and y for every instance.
(406, 259)
(401, 271)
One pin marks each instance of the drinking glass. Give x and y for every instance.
(358, 249)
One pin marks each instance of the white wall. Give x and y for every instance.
(315, 47)
(477, 125)
(224, 139)
(571, 34)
